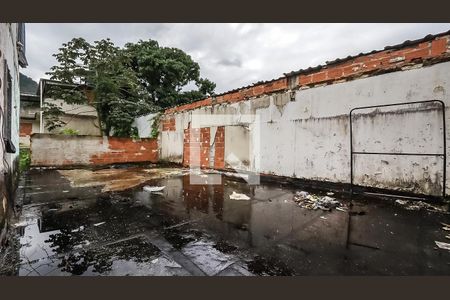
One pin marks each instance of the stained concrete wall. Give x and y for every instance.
(9, 55)
(80, 117)
(9, 161)
(237, 147)
(66, 150)
(305, 133)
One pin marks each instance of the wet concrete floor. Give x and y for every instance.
(190, 229)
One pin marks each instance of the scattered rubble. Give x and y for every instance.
(81, 228)
(445, 227)
(418, 205)
(341, 209)
(306, 200)
(237, 196)
(151, 189)
(442, 245)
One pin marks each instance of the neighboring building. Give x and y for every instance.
(12, 56)
(82, 118)
(29, 118)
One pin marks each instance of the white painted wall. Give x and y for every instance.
(144, 125)
(309, 138)
(81, 117)
(8, 41)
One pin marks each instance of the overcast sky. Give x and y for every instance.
(232, 55)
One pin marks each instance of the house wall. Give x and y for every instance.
(301, 130)
(25, 133)
(83, 118)
(9, 168)
(77, 150)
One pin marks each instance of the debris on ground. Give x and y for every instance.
(152, 189)
(237, 196)
(418, 205)
(306, 200)
(442, 245)
(445, 227)
(330, 194)
(98, 224)
(81, 228)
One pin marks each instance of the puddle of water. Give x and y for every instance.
(207, 257)
(267, 235)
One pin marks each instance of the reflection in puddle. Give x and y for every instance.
(94, 233)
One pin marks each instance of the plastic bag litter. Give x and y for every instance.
(341, 209)
(237, 196)
(151, 189)
(306, 200)
(442, 245)
(418, 205)
(81, 228)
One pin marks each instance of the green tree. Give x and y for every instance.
(100, 70)
(166, 71)
(124, 82)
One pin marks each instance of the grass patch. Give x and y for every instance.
(24, 159)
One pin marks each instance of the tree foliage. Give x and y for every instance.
(165, 71)
(123, 83)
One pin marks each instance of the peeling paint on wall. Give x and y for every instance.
(306, 134)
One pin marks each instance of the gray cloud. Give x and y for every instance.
(232, 55)
(235, 62)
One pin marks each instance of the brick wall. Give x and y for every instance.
(197, 147)
(125, 150)
(168, 123)
(25, 129)
(388, 60)
(66, 150)
(425, 51)
(219, 145)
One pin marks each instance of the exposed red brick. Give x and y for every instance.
(168, 123)
(417, 53)
(319, 77)
(26, 129)
(258, 90)
(219, 151)
(220, 99)
(125, 150)
(439, 46)
(304, 79)
(366, 64)
(334, 73)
